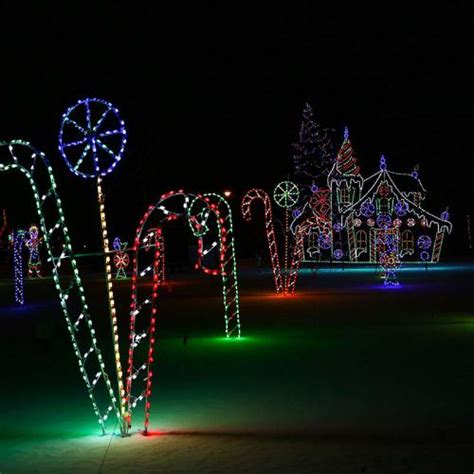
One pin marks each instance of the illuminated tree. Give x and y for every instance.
(314, 153)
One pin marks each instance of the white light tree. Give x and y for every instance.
(314, 152)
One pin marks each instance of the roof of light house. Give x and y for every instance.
(394, 179)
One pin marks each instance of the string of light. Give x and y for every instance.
(18, 243)
(250, 197)
(147, 263)
(19, 155)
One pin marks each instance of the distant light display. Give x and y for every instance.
(18, 243)
(260, 195)
(121, 258)
(33, 242)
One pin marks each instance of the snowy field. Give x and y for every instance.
(344, 377)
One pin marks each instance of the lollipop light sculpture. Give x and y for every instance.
(92, 141)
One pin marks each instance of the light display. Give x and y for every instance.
(18, 242)
(249, 198)
(92, 137)
(387, 242)
(148, 263)
(297, 255)
(92, 141)
(285, 195)
(32, 243)
(314, 152)
(199, 212)
(6, 238)
(18, 155)
(121, 258)
(360, 207)
(338, 254)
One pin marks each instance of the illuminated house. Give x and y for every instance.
(356, 211)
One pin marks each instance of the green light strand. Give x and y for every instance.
(20, 151)
(228, 264)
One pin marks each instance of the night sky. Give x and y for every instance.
(212, 96)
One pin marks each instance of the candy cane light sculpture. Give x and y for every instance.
(260, 195)
(21, 156)
(148, 264)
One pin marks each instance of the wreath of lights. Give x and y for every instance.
(367, 209)
(384, 220)
(325, 241)
(338, 254)
(424, 255)
(19, 155)
(424, 242)
(401, 208)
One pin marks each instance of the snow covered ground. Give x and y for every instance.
(345, 377)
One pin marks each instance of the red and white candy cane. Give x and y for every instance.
(149, 237)
(249, 198)
(298, 253)
(202, 210)
(148, 261)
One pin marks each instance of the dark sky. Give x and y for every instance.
(212, 95)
